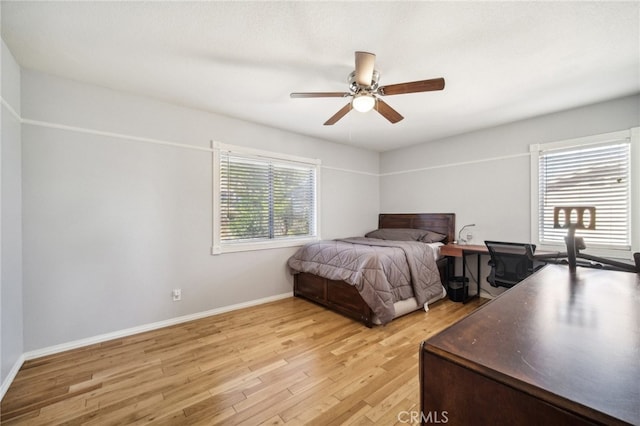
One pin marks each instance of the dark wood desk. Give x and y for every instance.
(462, 251)
(551, 350)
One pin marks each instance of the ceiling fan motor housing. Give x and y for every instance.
(354, 87)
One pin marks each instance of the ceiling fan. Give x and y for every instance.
(365, 93)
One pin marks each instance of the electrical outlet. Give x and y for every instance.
(177, 294)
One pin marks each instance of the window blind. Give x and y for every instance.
(595, 176)
(263, 199)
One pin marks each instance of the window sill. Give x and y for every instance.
(261, 245)
(614, 254)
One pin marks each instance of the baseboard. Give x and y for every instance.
(141, 329)
(12, 375)
(486, 295)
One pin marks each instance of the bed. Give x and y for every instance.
(344, 298)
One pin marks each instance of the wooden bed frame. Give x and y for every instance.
(342, 297)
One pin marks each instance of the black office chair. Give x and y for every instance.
(510, 263)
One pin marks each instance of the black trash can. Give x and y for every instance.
(458, 288)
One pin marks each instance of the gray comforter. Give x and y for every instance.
(383, 271)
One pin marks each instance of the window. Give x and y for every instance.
(594, 171)
(262, 200)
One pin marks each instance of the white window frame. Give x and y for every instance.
(220, 247)
(633, 136)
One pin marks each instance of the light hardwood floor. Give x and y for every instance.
(286, 362)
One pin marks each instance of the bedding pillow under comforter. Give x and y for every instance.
(382, 271)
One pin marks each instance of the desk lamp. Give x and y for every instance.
(462, 240)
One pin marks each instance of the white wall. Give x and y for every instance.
(111, 224)
(484, 176)
(11, 343)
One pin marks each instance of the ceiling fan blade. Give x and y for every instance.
(319, 95)
(365, 62)
(338, 115)
(412, 87)
(387, 112)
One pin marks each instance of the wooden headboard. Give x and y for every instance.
(443, 223)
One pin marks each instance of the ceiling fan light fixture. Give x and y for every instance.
(363, 102)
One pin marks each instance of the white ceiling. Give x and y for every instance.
(502, 61)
